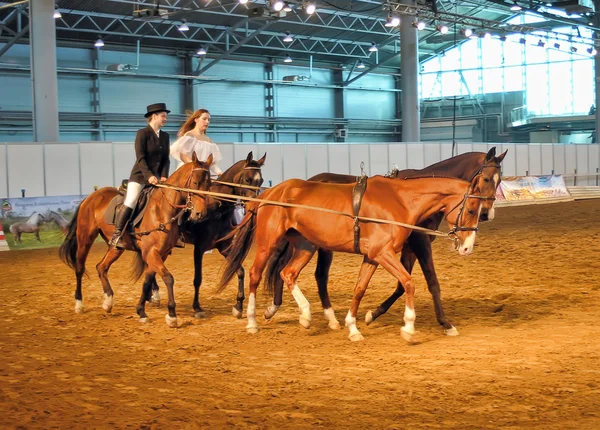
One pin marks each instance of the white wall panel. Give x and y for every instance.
(431, 153)
(445, 151)
(463, 148)
(398, 157)
(317, 160)
(339, 159)
(359, 154)
(547, 159)
(62, 169)
(227, 151)
(522, 159)
(25, 170)
(294, 161)
(416, 156)
(559, 159)
(581, 157)
(483, 147)
(570, 163)
(378, 156)
(3, 170)
(97, 166)
(272, 170)
(594, 164)
(240, 152)
(509, 165)
(535, 160)
(124, 155)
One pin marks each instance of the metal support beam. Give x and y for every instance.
(235, 47)
(44, 77)
(597, 76)
(409, 67)
(14, 40)
(339, 101)
(370, 69)
(188, 97)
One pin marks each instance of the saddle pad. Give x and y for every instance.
(138, 213)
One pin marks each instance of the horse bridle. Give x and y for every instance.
(188, 206)
(456, 227)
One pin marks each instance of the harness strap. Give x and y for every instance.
(358, 192)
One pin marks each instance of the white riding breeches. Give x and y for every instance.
(133, 192)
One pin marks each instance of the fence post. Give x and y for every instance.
(574, 177)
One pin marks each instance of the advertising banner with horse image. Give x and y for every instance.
(37, 222)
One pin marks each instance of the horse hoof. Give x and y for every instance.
(369, 318)
(79, 309)
(451, 331)
(145, 320)
(252, 330)
(334, 325)
(304, 322)
(155, 299)
(356, 337)
(409, 337)
(171, 322)
(236, 313)
(107, 305)
(200, 315)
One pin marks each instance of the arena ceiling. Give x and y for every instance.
(339, 32)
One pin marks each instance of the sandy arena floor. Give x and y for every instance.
(526, 303)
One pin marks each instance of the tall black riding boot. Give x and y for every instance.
(120, 223)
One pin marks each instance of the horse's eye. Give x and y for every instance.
(486, 179)
(471, 212)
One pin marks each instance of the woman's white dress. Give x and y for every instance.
(202, 148)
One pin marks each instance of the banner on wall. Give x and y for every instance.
(523, 188)
(27, 206)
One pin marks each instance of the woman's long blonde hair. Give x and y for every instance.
(190, 123)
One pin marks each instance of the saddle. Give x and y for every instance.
(357, 195)
(139, 210)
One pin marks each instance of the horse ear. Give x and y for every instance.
(209, 160)
(262, 159)
(250, 157)
(501, 157)
(194, 158)
(491, 154)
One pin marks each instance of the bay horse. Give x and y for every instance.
(32, 225)
(332, 228)
(219, 222)
(60, 221)
(416, 248)
(153, 240)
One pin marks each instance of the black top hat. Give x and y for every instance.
(156, 108)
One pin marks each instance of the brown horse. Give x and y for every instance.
(409, 201)
(218, 223)
(153, 240)
(418, 245)
(32, 225)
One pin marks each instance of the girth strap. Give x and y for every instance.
(357, 194)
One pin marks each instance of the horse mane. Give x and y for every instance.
(229, 174)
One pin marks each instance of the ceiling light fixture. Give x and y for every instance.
(99, 43)
(183, 26)
(288, 37)
(591, 50)
(360, 65)
(56, 13)
(310, 8)
(277, 5)
(287, 59)
(515, 7)
(373, 47)
(442, 28)
(201, 51)
(392, 21)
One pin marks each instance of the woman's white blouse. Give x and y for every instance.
(202, 148)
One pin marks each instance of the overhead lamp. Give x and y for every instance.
(360, 65)
(288, 37)
(522, 41)
(591, 50)
(467, 32)
(487, 35)
(56, 13)
(99, 43)
(243, 1)
(373, 47)
(277, 5)
(310, 8)
(286, 7)
(573, 49)
(541, 43)
(420, 25)
(183, 26)
(201, 51)
(443, 28)
(392, 21)
(287, 59)
(515, 7)
(557, 45)
(503, 38)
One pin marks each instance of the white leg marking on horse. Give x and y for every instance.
(271, 311)
(305, 317)
(354, 334)
(333, 322)
(107, 305)
(171, 322)
(79, 309)
(409, 320)
(155, 297)
(252, 326)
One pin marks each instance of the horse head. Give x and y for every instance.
(489, 180)
(194, 175)
(250, 175)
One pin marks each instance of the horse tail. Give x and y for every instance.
(243, 236)
(138, 268)
(68, 250)
(277, 261)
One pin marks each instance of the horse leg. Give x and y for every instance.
(102, 267)
(303, 252)
(154, 295)
(407, 259)
(156, 264)
(256, 271)
(239, 301)
(37, 235)
(367, 269)
(198, 254)
(387, 259)
(422, 249)
(324, 260)
(85, 240)
(149, 281)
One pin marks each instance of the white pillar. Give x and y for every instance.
(409, 68)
